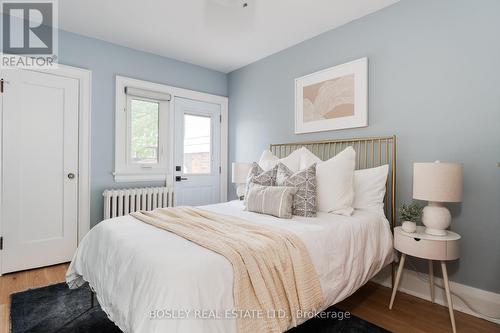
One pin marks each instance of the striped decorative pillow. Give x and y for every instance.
(271, 200)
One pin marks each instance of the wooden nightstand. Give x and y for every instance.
(421, 245)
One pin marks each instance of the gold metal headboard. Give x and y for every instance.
(370, 152)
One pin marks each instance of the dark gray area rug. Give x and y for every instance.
(56, 308)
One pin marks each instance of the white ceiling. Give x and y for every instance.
(217, 34)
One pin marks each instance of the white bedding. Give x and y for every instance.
(136, 268)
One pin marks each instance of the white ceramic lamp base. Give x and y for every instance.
(240, 191)
(436, 219)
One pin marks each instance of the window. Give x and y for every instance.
(142, 115)
(153, 139)
(144, 139)
(197, 143)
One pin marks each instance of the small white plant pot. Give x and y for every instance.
(409, 226)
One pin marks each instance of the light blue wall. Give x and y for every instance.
(434, 81)
(107, 60)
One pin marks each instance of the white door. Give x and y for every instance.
(196, 152)
(39, 169)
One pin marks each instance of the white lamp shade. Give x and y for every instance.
(438, 182)
(240, 172)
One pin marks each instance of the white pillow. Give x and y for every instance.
(268, 161)
(307, 158)
(335, 183)
(369, 187)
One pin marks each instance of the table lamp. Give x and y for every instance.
(239, 177)
(437, 183)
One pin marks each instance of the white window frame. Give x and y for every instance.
(125, 170)
(167, 174)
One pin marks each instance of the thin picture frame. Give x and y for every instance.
(357, 115)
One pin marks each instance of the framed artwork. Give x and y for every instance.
(333, 98)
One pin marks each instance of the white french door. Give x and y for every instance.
(197, 159)
(39, 167)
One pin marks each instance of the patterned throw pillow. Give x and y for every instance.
(304, 201)
(260, 177)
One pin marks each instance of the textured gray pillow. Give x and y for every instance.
(258, 176)
(304, 201)
(271, 200)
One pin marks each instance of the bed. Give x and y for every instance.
(148, 280)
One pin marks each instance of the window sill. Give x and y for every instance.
(121, 177)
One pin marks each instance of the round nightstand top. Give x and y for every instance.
(420, 233)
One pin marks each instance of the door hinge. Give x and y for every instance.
(220, 169)
(220, 117)
(1, 243)
(1, 86)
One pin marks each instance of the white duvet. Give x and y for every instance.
(149, 280)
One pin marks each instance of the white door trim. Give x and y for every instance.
(122, 81)
(84, 77)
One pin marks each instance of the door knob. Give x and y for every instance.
(71, 175)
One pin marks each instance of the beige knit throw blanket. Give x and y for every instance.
(273, 273)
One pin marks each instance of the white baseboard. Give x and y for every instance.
(486, 302)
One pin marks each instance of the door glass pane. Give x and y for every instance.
(197, 144)
(144, 131)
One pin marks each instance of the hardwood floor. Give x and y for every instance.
(409, 314)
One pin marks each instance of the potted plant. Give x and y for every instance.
(409, 215)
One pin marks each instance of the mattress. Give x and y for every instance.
(149, 280)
